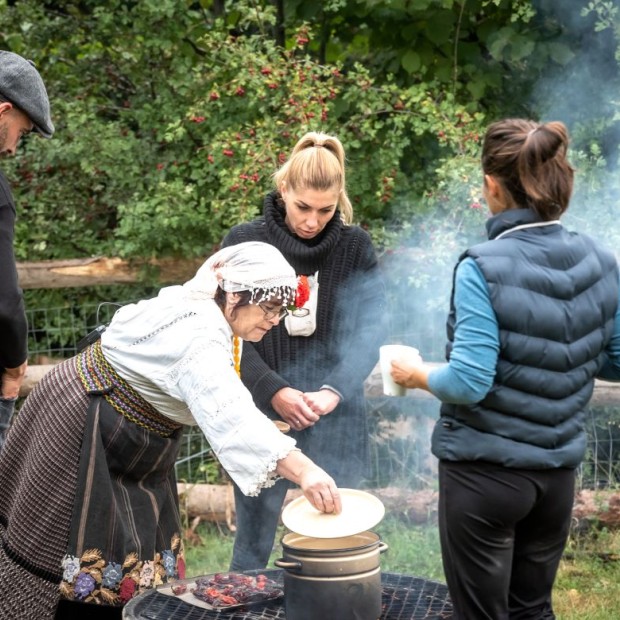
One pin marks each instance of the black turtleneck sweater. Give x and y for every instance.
(351, 325)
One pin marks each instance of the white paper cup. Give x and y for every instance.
(389, 352)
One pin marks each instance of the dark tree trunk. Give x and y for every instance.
(280, 31)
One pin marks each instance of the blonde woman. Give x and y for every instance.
(309, 370)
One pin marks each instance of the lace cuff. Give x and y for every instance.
(269, 477)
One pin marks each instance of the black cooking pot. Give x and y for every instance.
(332, 578)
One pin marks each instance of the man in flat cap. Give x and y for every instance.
(24, 107)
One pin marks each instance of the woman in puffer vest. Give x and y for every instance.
(533, 321)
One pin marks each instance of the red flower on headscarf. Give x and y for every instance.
(303, 291)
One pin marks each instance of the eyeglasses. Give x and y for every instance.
(270, 314)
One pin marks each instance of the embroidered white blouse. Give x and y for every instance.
(177, 354)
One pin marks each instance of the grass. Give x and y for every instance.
(587, 587)
(588, 583)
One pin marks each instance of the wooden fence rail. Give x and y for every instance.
(605, 392)
(101, 270)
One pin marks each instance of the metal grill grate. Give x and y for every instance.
(413, 598)
(404, 598)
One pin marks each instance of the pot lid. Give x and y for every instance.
(360, 512)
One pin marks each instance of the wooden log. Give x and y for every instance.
(596, 510)
(100, 270)
(208, 502)
(216, 503)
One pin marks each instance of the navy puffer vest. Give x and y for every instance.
(555, 295)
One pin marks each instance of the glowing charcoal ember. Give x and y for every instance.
(179, 589)
(228, 589)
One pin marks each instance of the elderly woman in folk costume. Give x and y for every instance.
(88, 503)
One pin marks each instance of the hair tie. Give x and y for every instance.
(317, 145)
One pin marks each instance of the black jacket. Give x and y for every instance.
(13, 326)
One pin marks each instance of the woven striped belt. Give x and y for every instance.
(99, 377)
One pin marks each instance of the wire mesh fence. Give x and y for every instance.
(54, 333)
(400, 427)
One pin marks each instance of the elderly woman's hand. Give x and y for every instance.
(320, 489)
(318, 486)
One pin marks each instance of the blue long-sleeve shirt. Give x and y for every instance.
(469, 375)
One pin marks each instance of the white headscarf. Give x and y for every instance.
(252, 266)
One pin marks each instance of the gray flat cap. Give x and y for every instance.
(21, 84)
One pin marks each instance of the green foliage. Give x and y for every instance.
(471, 48)
(101, 99)
(172, 115)
(606, 14)
(170, 142)
(211, 553)
(196, 463)
(413, 549)
(596, 197)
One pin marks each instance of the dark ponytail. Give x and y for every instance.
(529, 160)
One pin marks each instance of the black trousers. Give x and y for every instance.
(502, 535)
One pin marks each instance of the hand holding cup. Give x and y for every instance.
(395, 359)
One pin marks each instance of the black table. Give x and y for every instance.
(404, 598)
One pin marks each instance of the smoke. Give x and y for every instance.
(582, 93)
